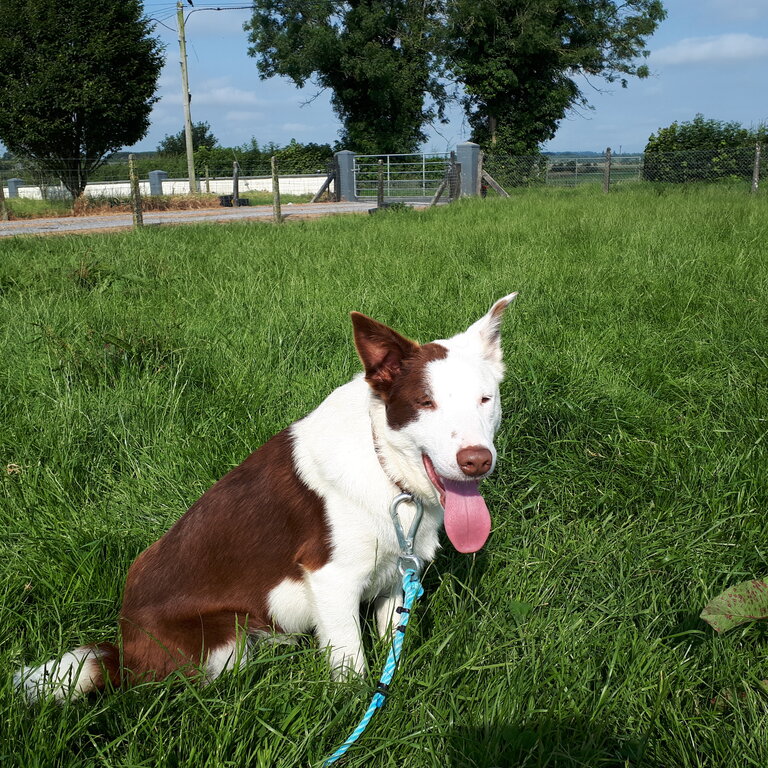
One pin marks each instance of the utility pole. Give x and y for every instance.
(185, 97)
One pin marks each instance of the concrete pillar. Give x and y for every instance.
(345, 182)
(468, 156)
(13, 187)
(156, 179)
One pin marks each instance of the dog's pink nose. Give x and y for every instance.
(474, 460)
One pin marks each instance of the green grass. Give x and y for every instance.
(137, 368)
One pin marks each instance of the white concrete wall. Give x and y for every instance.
(289, 185)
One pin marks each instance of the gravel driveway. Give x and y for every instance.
(79, 224)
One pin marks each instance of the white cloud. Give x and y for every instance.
(244, 116)
(717, 48)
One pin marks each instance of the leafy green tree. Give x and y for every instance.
(77, 82)
(701, 150)
(303, 158)
(522, 63)
(202, 136)
(377, 57)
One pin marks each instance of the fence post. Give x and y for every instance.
(207, 181)
(13, 187)
(479, 187)
(756, 169)
(345, 179)
(138, 216)
(607, 171)
(380, 186)
(453, 188)
(3, 207)
(156, 179)
(235, 184)
(468, 157)
(275, 192)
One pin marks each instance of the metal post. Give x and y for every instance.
(186, 97)
(756, 169)
(235, 184)
(138, 217)
(607, 171)
(423, 175)
(275, 192)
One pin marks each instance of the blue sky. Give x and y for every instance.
(709, 56)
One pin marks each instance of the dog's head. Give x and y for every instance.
(442, 409)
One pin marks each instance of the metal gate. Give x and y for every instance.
(404, 177)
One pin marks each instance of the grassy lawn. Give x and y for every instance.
(137, 368)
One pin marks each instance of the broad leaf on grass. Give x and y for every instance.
(744, 602)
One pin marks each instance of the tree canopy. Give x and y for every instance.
(701, 150)
(388, 63)
(523, 65)
(77, 82)
(379, 59)
(202, 136)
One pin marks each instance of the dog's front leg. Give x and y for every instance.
(336, 595)
(385, 606)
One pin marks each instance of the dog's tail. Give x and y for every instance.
(76, 673)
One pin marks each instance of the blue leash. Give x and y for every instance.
(412, 591)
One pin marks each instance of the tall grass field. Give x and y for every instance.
(632, 481)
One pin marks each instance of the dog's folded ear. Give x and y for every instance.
(488, 327)
(381, 350)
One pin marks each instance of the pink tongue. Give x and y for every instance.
(467, 520)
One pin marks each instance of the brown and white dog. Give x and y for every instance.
(297, 536)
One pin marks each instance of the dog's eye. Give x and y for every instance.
(485, 399)
(425, 402)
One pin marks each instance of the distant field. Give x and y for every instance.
(137, 368)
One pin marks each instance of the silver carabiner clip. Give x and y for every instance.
(406, 542)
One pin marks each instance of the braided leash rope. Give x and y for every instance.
(412, 590)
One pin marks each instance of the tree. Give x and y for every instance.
(701, 150)
(379, 59)
(519, 60)
(177, 144)
(77, 82)
(303, 158)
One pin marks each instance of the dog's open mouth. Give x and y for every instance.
(467, 520)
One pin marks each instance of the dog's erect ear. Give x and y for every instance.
(381, 350)
(488, 327)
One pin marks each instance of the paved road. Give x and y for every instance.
(80, 224)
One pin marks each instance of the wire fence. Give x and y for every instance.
(740, 165)
(410, 176)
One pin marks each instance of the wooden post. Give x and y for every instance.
(756, 169)
(3, 207)
(275, 192)
(207, 181)
(323, 187)
(607, 171)
(380, 186)
(453, 186)
(479, 187)
(138, 216)
(235, 184)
